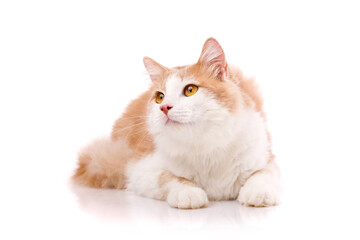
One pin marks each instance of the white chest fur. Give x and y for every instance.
(220, 171)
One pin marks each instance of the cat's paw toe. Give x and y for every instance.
(188, 198)
(258, 196)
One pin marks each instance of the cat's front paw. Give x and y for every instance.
(187, 198)
(255, 194)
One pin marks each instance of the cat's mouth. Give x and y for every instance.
(172, 122)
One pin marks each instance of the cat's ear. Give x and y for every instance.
(155, 70)
(213, 58)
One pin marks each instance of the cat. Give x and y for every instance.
(197, 134)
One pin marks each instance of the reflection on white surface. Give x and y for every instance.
(126, 207)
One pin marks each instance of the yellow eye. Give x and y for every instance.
(190, 90)
(159, 97)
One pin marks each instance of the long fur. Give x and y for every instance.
(213, 145)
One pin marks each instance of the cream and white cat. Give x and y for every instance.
(197, 134)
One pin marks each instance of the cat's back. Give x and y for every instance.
(250, 90)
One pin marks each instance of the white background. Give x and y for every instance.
(69, 68)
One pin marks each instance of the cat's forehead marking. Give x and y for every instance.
(176, 81)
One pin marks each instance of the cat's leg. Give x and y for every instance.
(262, 188)
(146, 178)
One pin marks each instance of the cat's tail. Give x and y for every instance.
(102, 164)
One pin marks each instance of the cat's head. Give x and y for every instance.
(193, 103)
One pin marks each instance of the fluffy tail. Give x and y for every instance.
(102, 164)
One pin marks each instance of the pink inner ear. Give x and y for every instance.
(213, 57)
(154, 69)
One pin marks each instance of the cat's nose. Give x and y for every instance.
(165, 108)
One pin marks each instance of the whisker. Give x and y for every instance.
(133, 125)
(141, 141)
(135, 132)
(140, 117)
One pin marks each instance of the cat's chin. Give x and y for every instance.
(171, 122)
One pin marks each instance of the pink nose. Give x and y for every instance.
(165, 108)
